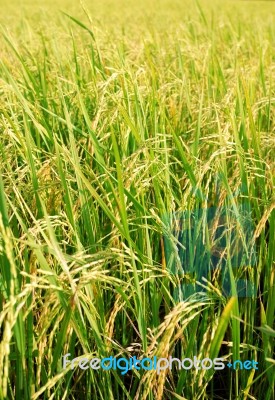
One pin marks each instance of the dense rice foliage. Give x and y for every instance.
(114, 119)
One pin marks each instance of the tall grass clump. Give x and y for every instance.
(136, 165)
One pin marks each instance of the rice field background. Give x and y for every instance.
(122, 123)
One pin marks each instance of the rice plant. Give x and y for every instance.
(137, 197)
